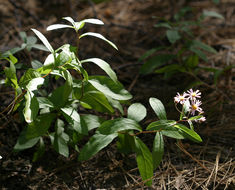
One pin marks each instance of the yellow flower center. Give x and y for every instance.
(181, 98)
(194, 106)
(193, 94)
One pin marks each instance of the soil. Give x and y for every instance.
(129, 24)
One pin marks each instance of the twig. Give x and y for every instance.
(181, 147)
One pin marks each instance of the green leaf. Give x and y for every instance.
(13, 59)
(192, 135)
(126, 143)
(96, 143)
(39, 126)
(173, 133)
(44, 40)
(58, 26)
(199, 53)
(203, 46)
(144, 161)
(31, 107)
(36, 64)
(171, 68)
(164, 25)
(97, 101)
(109, 87)
(34, 83)
(173, 36)
(89, 122)
(115, 104)
(24, 143)
(91, 99)
(61, 144)
(158, 108)
(192, 61)
(158, 150)
(103, 65)
(161, 124)
(37, 46)
(137, 112)
(28, 76)
(212, 14)
(70, 20)
(117, 125)
(155, 62)
(195, 117)
(97, 35)
(72, 113)
(40, 151)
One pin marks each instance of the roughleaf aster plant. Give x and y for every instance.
(191, 104)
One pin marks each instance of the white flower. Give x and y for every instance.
(195, 106)
(193, 94)
(200, 120)
(0, 157)
(180, 98)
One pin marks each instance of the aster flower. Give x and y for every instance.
(200, 120)
(195, 106)
(193, 94)
(180, 98)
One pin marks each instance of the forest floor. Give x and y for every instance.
(129, 24)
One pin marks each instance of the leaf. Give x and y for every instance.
(199, 53)
(173, 36)
(40, 151)
(192, 135)
(155, 62)
(203, 46)
(91, 99)
(38, 46)
(96, 143)
(36, 64)
(70, 20)
(173, 133)
(161, 124)
(109, 87)
(79, 25)
(212, 14)
(28, 76)
(126, 143)
(137, 112)
(158, 108)
(39, 126)
(164, 25)
(31, 107)
(58, 26)
(117, 125)
(60, 145)
(97, 101)
(43, 39)
(144, 161)
(158, 149)
(97, 35)
(34, 83)
(93, 21)
(103, 65)
(171, 68)
(24, 143)
(89, 122)
(72, 113)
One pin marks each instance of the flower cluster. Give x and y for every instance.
(194, 104)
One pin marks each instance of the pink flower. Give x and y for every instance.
(193, 94)
(200, 120)
(180, 98)
(195, 106)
